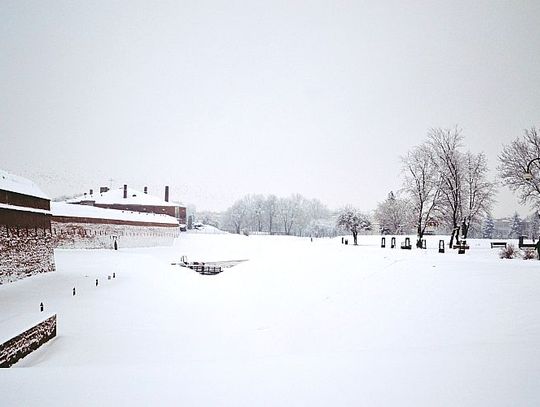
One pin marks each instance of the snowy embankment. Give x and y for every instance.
(207, 229)
(301, 323)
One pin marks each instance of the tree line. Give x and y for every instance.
(269, 214)
(444, 186)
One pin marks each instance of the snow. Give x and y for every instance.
(116, 196)
(205, 229)
(24, 209)
(86, 211)
(301, 323)
(15, 183)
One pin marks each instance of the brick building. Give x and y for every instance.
(129, 199)
(26, 246)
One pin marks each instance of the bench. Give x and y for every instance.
(521, 243)
(498, 244)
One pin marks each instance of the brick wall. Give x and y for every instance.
(79, 235)
(28, 240)
(26, 245)
(14, 198)
(17, 348)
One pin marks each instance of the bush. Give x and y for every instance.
(529, 254)
(508, 252)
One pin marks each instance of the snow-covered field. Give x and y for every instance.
(300, 324)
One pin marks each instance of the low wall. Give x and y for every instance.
(82, 235)
(22, 345)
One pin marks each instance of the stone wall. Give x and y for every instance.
(22, 345)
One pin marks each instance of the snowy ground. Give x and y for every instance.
(299, 324)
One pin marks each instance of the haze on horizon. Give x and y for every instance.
(220, 99)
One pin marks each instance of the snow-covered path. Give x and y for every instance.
(300, 323)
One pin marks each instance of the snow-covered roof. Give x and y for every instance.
(116, 196)
(14, 183)
(86, 211)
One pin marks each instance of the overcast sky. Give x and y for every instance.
(219, 99)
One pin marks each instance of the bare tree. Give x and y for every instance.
(257, 212)
(448, 161)
(422, 183)
(270, 210)
(513, 164)
(289, 211)
(236, 216)
(353, 220)
(393, 214)
(478, 191)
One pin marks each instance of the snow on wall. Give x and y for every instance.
(20, 346)
(24, 252)
(84, 211)
(14, 183)
(79, 235)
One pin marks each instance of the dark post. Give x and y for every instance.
(167, 193)
(145, 190)
(342, 240)
(73, 291)
(383, 242)
(393, 242)
(441, 246)
(115, 245)
(41, 307)
(125, 191)
(113, 275)
(96, 282)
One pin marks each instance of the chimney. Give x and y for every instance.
(125, 191)
(167, 193)
(145, 190)
(91, 192)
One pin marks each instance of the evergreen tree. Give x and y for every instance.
(533, 223)
(488, 227)
(516, 230)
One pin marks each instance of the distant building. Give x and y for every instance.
(129, 199)
(26, 245)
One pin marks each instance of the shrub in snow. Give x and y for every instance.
(529, 254)
(508, 252)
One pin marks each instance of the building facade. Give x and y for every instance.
(129, 199)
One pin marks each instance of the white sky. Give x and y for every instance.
(219, 99)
